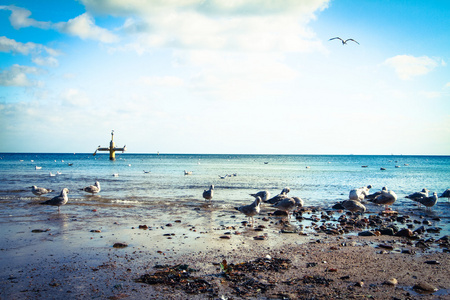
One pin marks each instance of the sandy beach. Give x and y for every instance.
(114, 251)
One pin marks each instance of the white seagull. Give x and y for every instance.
(39, 191)
(93, 189)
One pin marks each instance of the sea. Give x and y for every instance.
(155, 179)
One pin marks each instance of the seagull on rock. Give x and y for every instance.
(251, 209)
(289, 204)
(386, 198)
(58, 200)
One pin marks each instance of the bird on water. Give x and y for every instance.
(58, 200)
(39, 191)
(208, 194)
(251, 209)
(93, 189)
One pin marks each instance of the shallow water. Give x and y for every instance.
(320, 180)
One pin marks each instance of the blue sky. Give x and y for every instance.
(244, 76)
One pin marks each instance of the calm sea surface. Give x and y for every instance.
(320, 180)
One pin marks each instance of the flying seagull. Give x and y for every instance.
(344, 42)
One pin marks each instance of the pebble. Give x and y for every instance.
(405, 232)
(120, 245)
(225, 237)
(260, 237)
(432, 262)
(391, 281)
(366, 233)
(423, 286)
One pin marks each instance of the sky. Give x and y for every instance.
(226, 76)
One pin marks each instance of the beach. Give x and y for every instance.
(104, 251)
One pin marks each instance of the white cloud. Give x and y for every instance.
(75, 97)
(46, 61)
(84, 27)
(19, 18)
(408, 66)
(10, 45)
(168, 81)
(17, 76)
(447, 85)
(261, 25)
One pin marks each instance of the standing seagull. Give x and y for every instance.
(289, 204)
(445, 194)
(251, 209)
(354, 206)
(264, 195)
(386, 198)
(39, 191)
(343, 42)
(93, 189)
(58, 200)
(418, 195)
(429, 201)
(208, 194)
(280, 196)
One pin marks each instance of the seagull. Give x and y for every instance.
(354, 206)
(445, 194)
(359, 194)
(93, 189)
(386, 198)
(418, 195)
(58, 200)
(264, 195)
(146, 172)
(374, 195)
(187, 172)
(280, 196)
(208, 194)
(429, 201)
(289, 204)
(251, 209)
(39, 191)
(344, 42)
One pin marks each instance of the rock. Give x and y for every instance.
(391, 281)
(120, 245)
(426, 222)
(366, 233)
(426, 287)
(419, 230)
(225, 237)
(39, 230)
(260, 238)
(432, 262)
(96, 230)
(405, 232)
(385, 246)
(386, 231)
(143, 227)
(434, 229)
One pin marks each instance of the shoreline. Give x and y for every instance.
(72, 254)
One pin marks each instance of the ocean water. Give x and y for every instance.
(320, 180)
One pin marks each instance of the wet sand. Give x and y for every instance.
(49, 255)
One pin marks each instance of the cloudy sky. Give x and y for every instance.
(225, 76)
